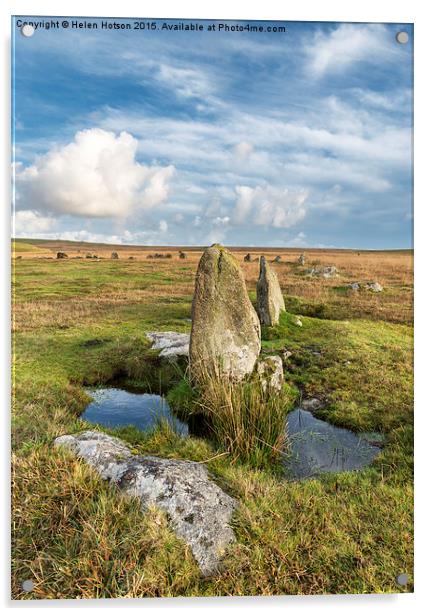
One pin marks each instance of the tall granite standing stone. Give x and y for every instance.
(270, 300)
(226, 334)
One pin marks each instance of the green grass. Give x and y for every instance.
(77, 537)
(18, 247)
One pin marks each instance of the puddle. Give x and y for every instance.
(113, 407)
(319, 447)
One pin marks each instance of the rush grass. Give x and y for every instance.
(75, 536)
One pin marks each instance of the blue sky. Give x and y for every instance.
(295, 138)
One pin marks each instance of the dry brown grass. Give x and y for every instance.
(313, 296)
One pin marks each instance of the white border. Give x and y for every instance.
(397, 11)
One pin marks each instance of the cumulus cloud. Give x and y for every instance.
(269, 206)
(96, 175)
(349, 43)
(28, 222)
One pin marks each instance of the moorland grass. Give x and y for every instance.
(75, 536)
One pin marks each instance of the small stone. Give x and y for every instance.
(270, 301)
(171, 344)
(327, 271)
(286, 355)
(298, 322)
(374, 286)
(270, 372)
(355, 286)
(311, 404)
(198, 509)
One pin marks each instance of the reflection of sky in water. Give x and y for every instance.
(319, 447)
(112, 407)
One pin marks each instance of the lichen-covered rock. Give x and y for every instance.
(270, 373)
(198, 510)
(355, 286)
(327, 271)
(374, 286)
(171, 344)
(270, 301)
(226, 333)
(311, 404)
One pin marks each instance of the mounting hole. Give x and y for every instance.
(27, 30)
(402, 37)
(27, 585)
(402, 579)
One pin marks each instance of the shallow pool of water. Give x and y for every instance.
(319, 447)
(113, 407)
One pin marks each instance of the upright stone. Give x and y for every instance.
(270, 300)
(226, 334)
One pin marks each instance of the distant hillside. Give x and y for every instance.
(19, 246)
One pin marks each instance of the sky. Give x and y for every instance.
(295, 138)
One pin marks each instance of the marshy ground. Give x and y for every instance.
(83, 322)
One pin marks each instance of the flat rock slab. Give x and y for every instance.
(171, 344)
(198, 509)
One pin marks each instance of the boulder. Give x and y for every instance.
(374, 286)
(270, 300)
(327, 271)
(171, 344)
(270, 373)
(114, 255)
(226, 333)
(198, 510)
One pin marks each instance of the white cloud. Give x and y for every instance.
(243, 149)
(349, 43)
(269, 206)
(163, 226)
(27, 222)
(96, 175)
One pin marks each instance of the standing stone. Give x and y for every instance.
(248, 258)
(226, 334)
(277, 259)
(114, 255)
(182, 255)
(270, 300)
(302, 259)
